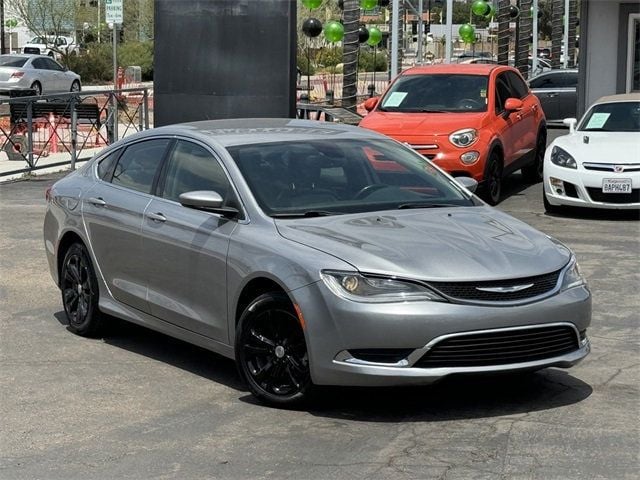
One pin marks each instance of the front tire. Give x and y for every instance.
(493, 179)
(75, 86)
(271, 352)
(79, 287)
(548, 207)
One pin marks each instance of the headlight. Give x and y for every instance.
(572, 276)
(562, 158)
(464, 138)
(358, 288)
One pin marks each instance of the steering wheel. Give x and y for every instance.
(469, 103)
(368, 190)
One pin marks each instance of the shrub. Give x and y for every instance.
(365, 63)
(139, 54)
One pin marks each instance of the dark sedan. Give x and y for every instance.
(557, 93)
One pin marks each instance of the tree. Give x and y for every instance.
(46, 17)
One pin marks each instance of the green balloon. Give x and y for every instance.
(480, 8)
(368, 4)
(466, 30)
(333, 31)
(469, 39)
(375, 36)
(311, 4)
(492, 12)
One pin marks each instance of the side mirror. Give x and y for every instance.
(469, 183)
(571, 123)
(371, 103)
(207, 200)
(513, 104)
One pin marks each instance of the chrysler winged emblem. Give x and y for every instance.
(515, 288)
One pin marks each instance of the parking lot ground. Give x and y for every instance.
(139, 405)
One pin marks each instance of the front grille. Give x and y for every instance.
(469, 290)
(32, 50)
(500, 347)
(597, 196)
(610, 167)
(381, 355)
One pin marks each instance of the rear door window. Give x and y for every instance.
(139, 164)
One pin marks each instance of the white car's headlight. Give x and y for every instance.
(358, 288)
(562, 158)
(572, 276)
(464, 138)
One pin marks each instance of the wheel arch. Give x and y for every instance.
(252, 290)
(68, 239)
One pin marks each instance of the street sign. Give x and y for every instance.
(113, 11)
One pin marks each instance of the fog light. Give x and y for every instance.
(469, 158)
(557, 185)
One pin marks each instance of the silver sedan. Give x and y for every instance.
(36, 72)
(312, 253)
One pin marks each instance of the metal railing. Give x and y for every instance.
(62, 129)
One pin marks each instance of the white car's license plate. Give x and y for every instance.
(616, 185)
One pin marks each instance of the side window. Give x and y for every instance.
(39, 64)
(502, 92)
(545, 81)
(567, 80)
(105, 167)
(138, 164)
(518, 86)
(53, 65)
(191, 167)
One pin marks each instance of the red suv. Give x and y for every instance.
(477, 120)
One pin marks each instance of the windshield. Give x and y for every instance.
(11, 61)
(612, 117)
(437, 93)
(322, 177)
(41, 40)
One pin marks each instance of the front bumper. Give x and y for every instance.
(581, 186)
(335, 327)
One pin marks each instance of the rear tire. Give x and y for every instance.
(79, 287)
(271, 352)
(492, 188)
(533, 173)
(37, 88)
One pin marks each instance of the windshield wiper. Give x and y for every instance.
(425, 205)
(307, 214)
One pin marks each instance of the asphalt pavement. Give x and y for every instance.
(140, 405)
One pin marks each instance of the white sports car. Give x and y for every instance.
(598, 163)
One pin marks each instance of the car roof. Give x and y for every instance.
(462, 68)
(622, 97)
(243, 131)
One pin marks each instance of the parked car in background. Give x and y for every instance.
(314, 254)
(598, 164)
(557, 91)
(40, 73)
(51, 46)
(475, 120)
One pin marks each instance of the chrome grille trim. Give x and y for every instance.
(610, 167)
(499, 346)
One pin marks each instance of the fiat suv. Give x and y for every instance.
(480, 121)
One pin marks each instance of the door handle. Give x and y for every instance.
(98, 202)
(157, 217)
(519, 116)
(534, 108)
(551, 95)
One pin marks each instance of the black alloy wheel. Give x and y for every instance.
(493, 179)
(533, 173)
(271, 351)
(79, 288)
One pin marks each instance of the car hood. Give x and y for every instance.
(420, 124)
(455, 244)
(602, 147)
